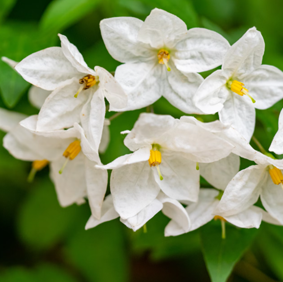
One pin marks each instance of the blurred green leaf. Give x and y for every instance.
(6, 6)
(42, 222)
(62, 13)
(221, 254)
(99, 252)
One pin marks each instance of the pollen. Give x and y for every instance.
(238, 88)
(163, 58)
(87, 82)
(276, 175)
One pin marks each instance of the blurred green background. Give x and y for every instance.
(40, 241)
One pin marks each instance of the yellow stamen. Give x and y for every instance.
(276, 175)
(155, 160)
(71, 152)
(223, 220)
(238, 88)
(36, 166)
(163, 58)
(87, 82)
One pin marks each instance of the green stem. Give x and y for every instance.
(259, 145)
(115, 115)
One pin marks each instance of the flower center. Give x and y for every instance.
(71, 152)
(36, 166)
(238, 88)
(87, 82)
(276, 175)
(155, 159)
(163, 58)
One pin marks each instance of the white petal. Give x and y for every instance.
(161, 29)
(268, 218)
(180, 222)
(220, 173)
(265, 85)
(240, 113)
(180, 177)
(242, 191)
(112, 90)
(133, 188)
(249, 218)
(61, 109)
(200, 50)
(277, 142)
(107, 213)
(96, 182)
(212, 93)
(47, 69)
(246, 54)
(92, 118)
(71, 184)
(272, 199)
(37, 96)
(105, 138)
(120, 37)
(9, 119)
(181, 89)
(72, 53)
(143, 83)
(140, 155)
(201, 212)
(143, 216)
(10, 62)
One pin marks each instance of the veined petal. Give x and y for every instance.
(181, 89)
(37, 96)
(161, 29)
(221, 172)
(61, 109)
(246, 54)
(277, 142)
(239, 112)
(272, 199)
(265, 84)
(212, 93)
(200, 50)
(143, 83)
(242, 191)
(96, 183)
(47, 69)
(138, 156)
(120, 37)
(180, 177)
(249, 218)
(74, 56)
(133, 188)
(112, 90)
(107, 213)
(9, 119)
(201, 212)
(71, 184)
(141, 218)
(269, 219)
(105, 138)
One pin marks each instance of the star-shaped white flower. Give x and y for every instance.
(170, 207)
(78, 91)
(164, 158)
(161, 57)
(241, 85)
(72, 160)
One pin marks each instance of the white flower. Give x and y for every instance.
(9, 119)
(277, 142)
(68, 152)
(161, 57)
(227, 90)
(79, 91)
(164, 158)
(170, 207)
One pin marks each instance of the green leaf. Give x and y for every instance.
(99, 252)
(221, 254)
(42, 222)
(62, 13)
(6, 6)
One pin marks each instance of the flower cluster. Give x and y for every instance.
(160, 58)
